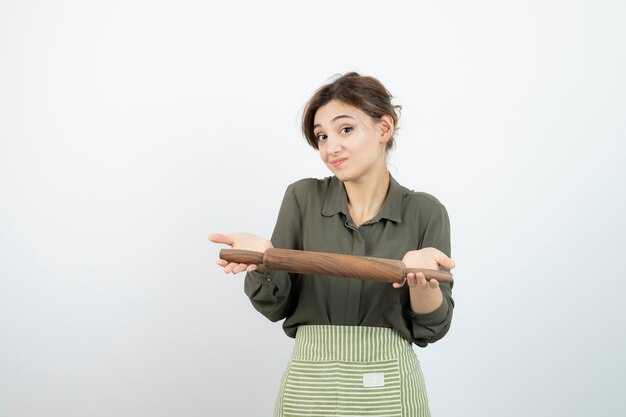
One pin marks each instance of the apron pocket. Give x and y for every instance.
(338, 388)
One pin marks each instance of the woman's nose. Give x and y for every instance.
(332, 145)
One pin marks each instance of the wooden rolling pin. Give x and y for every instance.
(331, 264)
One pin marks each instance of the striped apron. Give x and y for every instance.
(352, 371)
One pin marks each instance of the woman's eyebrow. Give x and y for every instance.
(341, 116)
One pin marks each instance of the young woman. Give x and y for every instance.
(353, 352)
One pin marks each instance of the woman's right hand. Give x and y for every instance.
(243, 241)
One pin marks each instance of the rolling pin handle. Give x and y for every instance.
(244, 257)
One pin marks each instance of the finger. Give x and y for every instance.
(239, 268)
(422, 283)
(222, 262)
(251, 268)
(220, 238)
(433, 283)
(419, 281)
(399, 284)
(410, 279)
(229, 268)
(446, 262)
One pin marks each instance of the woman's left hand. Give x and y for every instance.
(425, 294)
(426, 258)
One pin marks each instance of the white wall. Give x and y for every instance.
(130, 130)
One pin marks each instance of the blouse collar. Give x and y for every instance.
(336, 201)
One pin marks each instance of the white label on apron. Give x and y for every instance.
(374, 379)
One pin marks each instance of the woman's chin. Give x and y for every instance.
(343, 176)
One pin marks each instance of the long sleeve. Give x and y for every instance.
(271, 293)
(428, 328)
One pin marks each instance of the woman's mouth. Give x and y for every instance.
(336, 162)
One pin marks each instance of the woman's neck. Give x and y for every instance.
(366, 196)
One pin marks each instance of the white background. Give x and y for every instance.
(130, 130)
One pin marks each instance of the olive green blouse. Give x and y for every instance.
(314, 216)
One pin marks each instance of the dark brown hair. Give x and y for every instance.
(365, 93)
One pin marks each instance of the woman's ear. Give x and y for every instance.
(386, 128)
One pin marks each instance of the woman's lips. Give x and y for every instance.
(337, 162)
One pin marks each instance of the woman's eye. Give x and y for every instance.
(346, 130)
(321, 137)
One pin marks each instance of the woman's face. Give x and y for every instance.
(351, 143)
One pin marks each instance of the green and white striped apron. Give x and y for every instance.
(352, 371)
